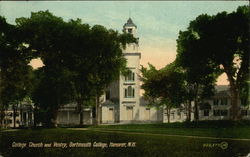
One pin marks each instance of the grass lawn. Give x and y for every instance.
(155, 144)
(223, 129)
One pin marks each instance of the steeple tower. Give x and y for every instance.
(129, 86)
(130, 27)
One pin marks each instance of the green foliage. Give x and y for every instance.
(80, 61)
(206, 124)
(15, 73)
(164, 86)
(52, 89)
(215, 44)
(155, 141)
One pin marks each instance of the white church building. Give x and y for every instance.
(121, 101)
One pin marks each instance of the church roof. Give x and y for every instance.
(129, 23)
(222, 91)
(108, 102)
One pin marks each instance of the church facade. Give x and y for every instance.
(122, 101)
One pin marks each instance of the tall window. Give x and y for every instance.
(243, 102)
(130, 76)
(223, 112)
(220, 112)
(223, 102)
(172, 115)
(130, 30)
(129, 92)
(206, 112)
(216, 112)
(216, 101)
(107, 94)
(244, 112)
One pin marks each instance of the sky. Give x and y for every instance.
(158, 22)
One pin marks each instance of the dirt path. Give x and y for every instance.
(9, 130)
(165, 135)
(78, 128)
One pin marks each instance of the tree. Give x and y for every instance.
(222, 42)
(200, 76)
(164, 87)
(14, 68)
(87, 57)
(46, 35)
(106, 49)
(54, 88)
(96, 60)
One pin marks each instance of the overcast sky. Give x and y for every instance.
(158, 23)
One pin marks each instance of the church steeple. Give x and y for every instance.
(130, 27)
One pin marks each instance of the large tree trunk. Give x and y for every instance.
(81, 114)
(14, 115)
(53, 120)
(168, 113)
(2, 116)
(234, 103)
(80, 106)
(234, 90)
(189, 107)
(35, 117)
(81, 118)
(196, 111)
(21, 116)
(98, 111)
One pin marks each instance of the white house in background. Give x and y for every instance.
(177, 115)
(218, 106)
(8, 121)
(69, 115)
(24, 115)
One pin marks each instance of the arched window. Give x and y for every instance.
(130, 30)
(129, 92)
(130, 76)
(107, 92)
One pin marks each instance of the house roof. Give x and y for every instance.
(221, 91)
(222, 94)
(221, 88)
(205, 106)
